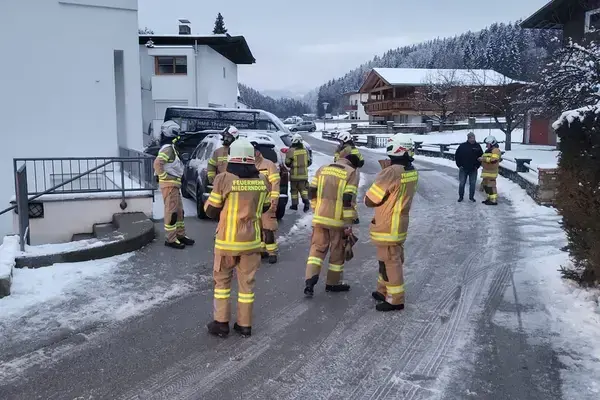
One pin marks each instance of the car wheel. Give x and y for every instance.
(184, 193)
(312, 130)
(200, 205)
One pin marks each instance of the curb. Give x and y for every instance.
(137, 229)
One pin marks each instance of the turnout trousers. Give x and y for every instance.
(299, 187)
(246, 266)
(489, 186)
(323, 240)
(174, 225)
(390, 282)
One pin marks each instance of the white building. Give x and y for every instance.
(189, 70)
(70, 82)
(353, 105)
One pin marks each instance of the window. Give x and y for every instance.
(201, 151)
(209, 151)
(592, 20)
(224, 74)
(170, 65)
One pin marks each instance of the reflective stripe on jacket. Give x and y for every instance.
(345, 149)
(297, 160)
(491, 160)
(392, 193)
(241, 201)
(271, 172)
(332, 193)
(168, 167)
(217, 162)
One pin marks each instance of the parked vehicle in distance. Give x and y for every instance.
(292, 120)
(304, 126)
(194, 183)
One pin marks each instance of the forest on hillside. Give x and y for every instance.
(283, 107)
(507, 48)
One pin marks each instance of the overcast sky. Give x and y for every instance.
(300, 45)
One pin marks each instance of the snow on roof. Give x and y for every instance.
(420, 76)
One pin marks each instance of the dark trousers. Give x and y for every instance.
(463, 174)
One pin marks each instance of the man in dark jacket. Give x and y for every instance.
(466, 157)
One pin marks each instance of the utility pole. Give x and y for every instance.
(325, 104)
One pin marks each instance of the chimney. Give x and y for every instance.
(185, 27)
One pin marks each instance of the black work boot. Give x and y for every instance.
(340, 287)
(186, 240)
(272, 259)
(460, 199)
(385, 306)
(264, 254)
(309, 289)
(176, 244)
(294, 207)
(490, 203)
(220, 329)
(472, 199)
(245, 331)
(306, 207)
(356, 221)
(378, 296)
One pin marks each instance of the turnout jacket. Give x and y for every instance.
(168, 167)
(271, 172)
(332, 194)
(490, 162)
(391, 194)
(297, 160)
(217, 163)
(345, 149)
(239, 204)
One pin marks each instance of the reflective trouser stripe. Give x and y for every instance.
(246, 297)
(222, 293)
(336, 267)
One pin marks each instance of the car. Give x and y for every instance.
(194, 183)
(198, 122)
(304, 126)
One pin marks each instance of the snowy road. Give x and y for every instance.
(448, 343)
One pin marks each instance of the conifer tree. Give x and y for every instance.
(219, 28)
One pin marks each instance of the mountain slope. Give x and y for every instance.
(283, 107)
(515, 52)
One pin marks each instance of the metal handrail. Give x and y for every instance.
(79, 176)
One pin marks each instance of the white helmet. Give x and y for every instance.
(398, 145)
(490, 140)
(241, 151)
(170, 129)
(232, 130)
(344, 137)
(296, 138)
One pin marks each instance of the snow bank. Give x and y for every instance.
(569, 116)
(55, 248)
(8, 253)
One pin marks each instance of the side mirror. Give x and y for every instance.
(185, 157)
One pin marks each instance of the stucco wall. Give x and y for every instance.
(60, 95)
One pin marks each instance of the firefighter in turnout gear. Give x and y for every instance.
(298, 161)
(332, 194)
(490, 162)
(239, 197)
(269, 218)
(169, 169)
(391, 195)
(347, 147)
(218, 161)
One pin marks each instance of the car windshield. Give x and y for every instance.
(197, 120)
(286, 139)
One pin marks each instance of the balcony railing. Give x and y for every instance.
(389, 105)
(350, 107)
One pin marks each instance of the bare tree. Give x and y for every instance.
(439, 97)
(505, 99)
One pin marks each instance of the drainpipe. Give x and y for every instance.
(196, 71)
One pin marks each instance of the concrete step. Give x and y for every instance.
(82, 236)
(127, 232)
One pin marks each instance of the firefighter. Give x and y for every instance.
(218, 161)
(347, 147)
(269, 218)
(239, 197)
(168, 167)
(490, 161)
(332, 194)
(298, 161)
(391, 195)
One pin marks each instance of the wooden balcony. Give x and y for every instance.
(350, 107)
(390, 105)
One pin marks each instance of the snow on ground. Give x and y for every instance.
(158, 207)
(341, 125)
(8, 253)
(54, 248)
(573, 311)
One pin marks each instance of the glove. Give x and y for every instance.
(348, 232)
(273, 207)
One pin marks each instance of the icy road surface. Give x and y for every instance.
(446, 344)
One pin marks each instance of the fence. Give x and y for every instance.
(73, 175)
